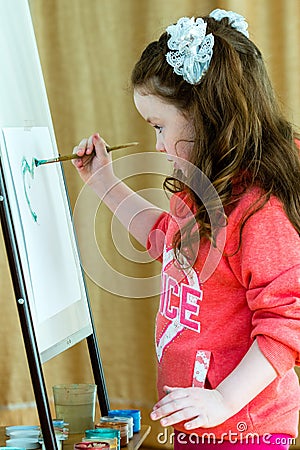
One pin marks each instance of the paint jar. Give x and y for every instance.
(25, 434)
(75, 404)
(116, 424)
(13, 448)
(109, 435)
(29, 443)
(128, 420)
(25, 428)
(59, 423)
(134, 413)
(94, 444)
(61, 429)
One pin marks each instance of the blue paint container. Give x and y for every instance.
(134, 413)
(20, 442)
(13, 448)
(25, 428)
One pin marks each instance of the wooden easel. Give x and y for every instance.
(24, 104)
(27, 327)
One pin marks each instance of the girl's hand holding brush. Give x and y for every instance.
(94, 164)
(94, 157)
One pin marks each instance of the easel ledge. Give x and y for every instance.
(134, 443)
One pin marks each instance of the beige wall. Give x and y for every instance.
(87, 49)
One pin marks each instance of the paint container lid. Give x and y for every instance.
(59, 423)
(103, 432)
(128, 419)
(24, 434)
(134, 413)
(113, 444)
(13, 448)
(20, 427)
(28, 443)
(95, 444)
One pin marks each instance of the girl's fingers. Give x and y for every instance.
(197, 422)
(81, 148)
(76, 162)
(90, 145)
(93, 144)
(183, 415)
(86, 160)
(90, 153)
(171, 394)
(167, 389)
(172, 406)
(98, 144)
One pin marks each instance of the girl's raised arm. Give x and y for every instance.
(95, 168)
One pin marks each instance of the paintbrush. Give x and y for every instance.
(39, 162)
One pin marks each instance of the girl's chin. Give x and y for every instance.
(177, 167)
(171, 161)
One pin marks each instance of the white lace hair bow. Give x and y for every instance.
(235, 20)
(191, 49)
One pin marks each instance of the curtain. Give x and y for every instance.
(87, 50)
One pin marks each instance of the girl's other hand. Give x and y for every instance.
(197, 407)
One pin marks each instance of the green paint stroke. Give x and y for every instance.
(38, 162)
(28, 177)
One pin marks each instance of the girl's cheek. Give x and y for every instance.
(187, 150)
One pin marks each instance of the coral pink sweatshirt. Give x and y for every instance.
(210, 314)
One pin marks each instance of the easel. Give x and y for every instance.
(24, 104)
(27, 327)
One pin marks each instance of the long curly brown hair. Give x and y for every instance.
(240, 131)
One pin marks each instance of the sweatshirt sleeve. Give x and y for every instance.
(157, 235)
(269, 260)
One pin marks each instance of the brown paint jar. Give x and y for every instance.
(121, 426)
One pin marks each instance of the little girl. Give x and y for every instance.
(227, 334)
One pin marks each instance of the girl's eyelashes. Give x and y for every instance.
(157, 127)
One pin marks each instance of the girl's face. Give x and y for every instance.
(171, 127)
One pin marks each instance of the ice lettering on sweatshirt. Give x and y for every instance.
(187, 298)
(179, 302)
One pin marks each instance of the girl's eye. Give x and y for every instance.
(157, 127)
